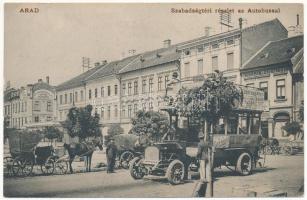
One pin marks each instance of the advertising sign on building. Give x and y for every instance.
(253, 99)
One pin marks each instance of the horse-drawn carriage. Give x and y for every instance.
(25, 154)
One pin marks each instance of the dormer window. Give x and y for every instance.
(187, 52)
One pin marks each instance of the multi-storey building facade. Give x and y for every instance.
(103, 92)
(117, 90)
(30, 106)
(144, 81)
(277, 69)
(72, 93)
(222, 51)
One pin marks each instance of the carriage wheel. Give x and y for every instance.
(125, 159)
(268, 150)
(8, 164)
(288, 150)
(48, 167)
(61, 167)
(26, 167)
(16, 167)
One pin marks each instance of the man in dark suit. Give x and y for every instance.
(111, 152)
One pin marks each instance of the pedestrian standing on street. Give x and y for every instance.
(202, 155)
(111, 152)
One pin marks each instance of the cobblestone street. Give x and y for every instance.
(281, 173)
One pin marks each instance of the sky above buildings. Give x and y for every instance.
(53, 41)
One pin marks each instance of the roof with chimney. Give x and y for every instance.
(78, 80)
(222, 35)
(42, 86)
(111, 68)
(153, 58)
(276, 52)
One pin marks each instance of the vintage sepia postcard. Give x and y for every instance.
(153, 100)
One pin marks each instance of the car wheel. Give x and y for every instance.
(135, 168)
(244, 164)
(175, 172)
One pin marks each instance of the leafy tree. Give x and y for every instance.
(51, 133)
(151, 124)
(211, 101)
(114, 129)
(80, 122)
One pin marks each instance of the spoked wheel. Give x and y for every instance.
(61, 166)
(268, 150)
(287, 150)
(22, 167)
(135, 168)
(175, 172)
(244, 164)
(125, 159)
(16, 167)
(8, 165)
(48, 167)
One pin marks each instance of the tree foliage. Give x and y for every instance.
(115, 129)
(214, 99)
(150, 124)
(51, 132)
(80, 122)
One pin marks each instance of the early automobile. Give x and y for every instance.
(235, 142)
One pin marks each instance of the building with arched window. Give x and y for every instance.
(277, 69)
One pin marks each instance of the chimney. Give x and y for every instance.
(207, 31)
(131, 52)
(167, 43)
(40, 80)
(47, 80)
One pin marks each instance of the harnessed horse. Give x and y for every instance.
(85, 148)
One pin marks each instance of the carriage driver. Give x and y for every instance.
(202, 155)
